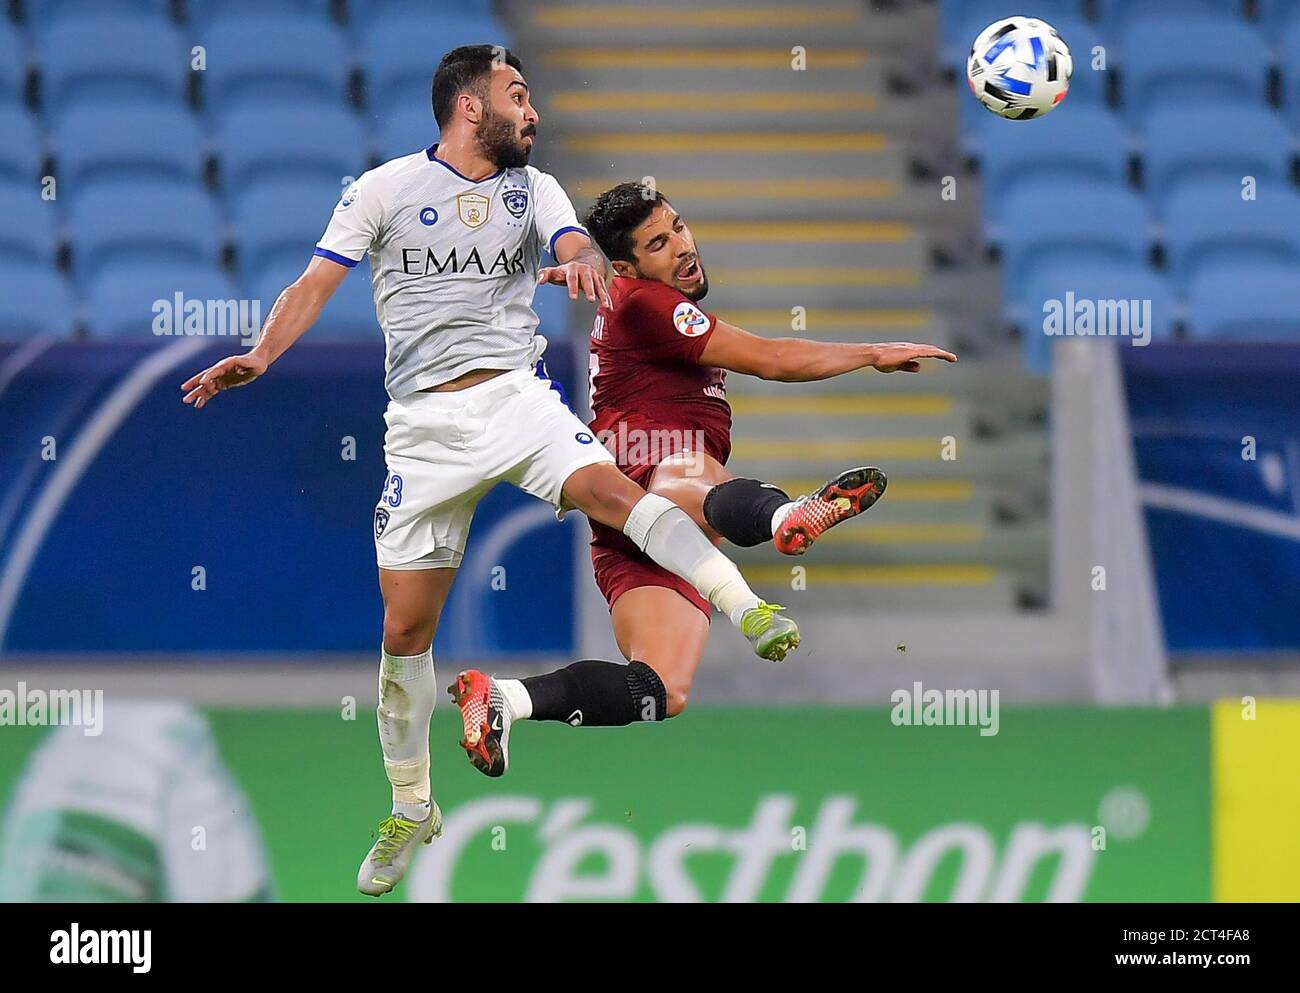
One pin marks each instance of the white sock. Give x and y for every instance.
(408, 691)
(782, 512)
(666, 533)
(517, 698)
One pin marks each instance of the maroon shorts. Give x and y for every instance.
(621, 566)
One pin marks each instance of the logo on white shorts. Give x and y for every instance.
(381, 521)
(690, 320)
(582, 438)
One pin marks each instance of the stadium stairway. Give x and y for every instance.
(818, 188)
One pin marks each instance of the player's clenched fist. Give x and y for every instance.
(237, 370)
(577, 275)
(893, 356)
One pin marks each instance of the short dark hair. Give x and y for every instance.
(464, 69)
(616, 214)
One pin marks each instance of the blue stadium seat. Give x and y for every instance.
(122, 300)
(1192, 60)
(348, 316)
(1273, 14)
(1073, 221)
(140, 222)
(13, 65)
(376, 8)
(103, 59)
(1120, 11)
(1290, 58)
(1184, 143)
(1082, 142)
(1208, 223)
(961, 21)
(290, 141)
(1246, 303)
(281, 218)
(40, 14)
(20, 148)
(401, 53)
(203, 11)
(1070, 283)
(140, 141)
(404, 130)
(274, 58)
(29, 233)
(35, 299)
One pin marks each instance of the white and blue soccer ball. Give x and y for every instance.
(1019, 68)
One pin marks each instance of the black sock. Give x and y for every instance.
(598, 694)
(741, 510)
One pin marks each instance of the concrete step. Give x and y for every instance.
(712, 22)
(869, 542)
(886, 587)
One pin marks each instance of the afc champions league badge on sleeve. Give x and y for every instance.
(690, 320)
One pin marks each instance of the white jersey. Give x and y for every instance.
(453, 263)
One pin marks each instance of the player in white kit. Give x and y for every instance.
(455, 235)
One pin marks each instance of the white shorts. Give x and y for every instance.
(444, 451)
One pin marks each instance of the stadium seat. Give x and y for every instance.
(40, 14)
(203, 11)
(279, 219)
(404, 130)
(1274, 14)
(13, 65)
(143, 221)
(1076, 221)
(401, 52)
(1070, 283)
(35, 299)
(1246, 302)
(1119, 11)
(961, 21)
(1290, 58)
(29, 233)
(123, 300)
(1208, 223)
(1192, 60)
(377, 8)
(1087, 143)
(290, 141)
(274, 58)
(348, 316)
(103, 59)
(1184, 143)
(129, 141)
(20, 149)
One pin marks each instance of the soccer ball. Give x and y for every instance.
(1019, 68)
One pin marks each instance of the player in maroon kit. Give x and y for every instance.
(658, 375)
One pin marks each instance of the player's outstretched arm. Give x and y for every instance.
(796, 360)
(294, 312)
(580, 267)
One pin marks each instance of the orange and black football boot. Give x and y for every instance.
(845, 496)
(487, 721)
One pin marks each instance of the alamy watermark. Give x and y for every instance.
(26, 707)
(1085, 317)
(920, 707)
(180, 315)
(654, 446)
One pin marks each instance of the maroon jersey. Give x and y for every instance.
(649, 395)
